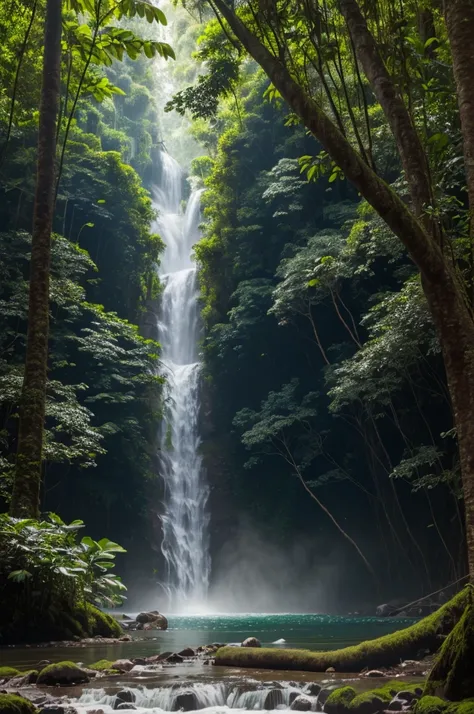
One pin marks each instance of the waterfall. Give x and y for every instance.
(184, 520)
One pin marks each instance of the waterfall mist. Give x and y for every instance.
(252, 574)
(184, 517)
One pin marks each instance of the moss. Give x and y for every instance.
(338, 701)
(451, 676)
(101, 665)
(381, 652)
(9, 672)
(346, 700)
(102, 624)
(14, 704)
(466, 707)
(62, 673)
(430, 705)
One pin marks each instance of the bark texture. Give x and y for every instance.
(26, 489)
(459, 16)
(411, 151)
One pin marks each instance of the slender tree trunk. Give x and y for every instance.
(26, 488)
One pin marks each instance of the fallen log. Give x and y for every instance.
(426, 635)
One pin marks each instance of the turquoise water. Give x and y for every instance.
(309, 631)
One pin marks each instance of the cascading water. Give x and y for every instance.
(184, 520)
(218, 697)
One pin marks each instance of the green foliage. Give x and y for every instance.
(220, 80)
(50, 578)
(37, 553)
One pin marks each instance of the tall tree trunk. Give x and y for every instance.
(459, 16)
(26, 488)
(443, 289)
(414, 160)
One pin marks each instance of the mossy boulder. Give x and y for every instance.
(102, 665)
(8, 672)
(338, 701)
(62, 674)
(466, 707)
(430, 705)
(345, 700)
(14, 704)
(452, 674)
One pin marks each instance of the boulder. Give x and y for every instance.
(62, 674)
(251, 642)
(125, 638)
(175, 658)
(154, 659)
(125, 695)
(273, 699)
(374, 673)
(312, 688)
(185, 702)
(23, 680)
(187, 652)
(301, 704)
(152, 620)
(123, 665)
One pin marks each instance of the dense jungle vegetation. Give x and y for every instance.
(336, 274)
(103, 386)
(336, 266)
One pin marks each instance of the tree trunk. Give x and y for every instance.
(460, 25)
(455, 329)
(26, 487)
(411, 151)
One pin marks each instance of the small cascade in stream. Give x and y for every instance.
(184, 520)
(248, 695)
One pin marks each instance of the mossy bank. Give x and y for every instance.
(57, 624)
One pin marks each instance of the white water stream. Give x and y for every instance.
(219, 697)
(185, 519)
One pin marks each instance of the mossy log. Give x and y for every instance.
(386, 651)
(452, 676)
